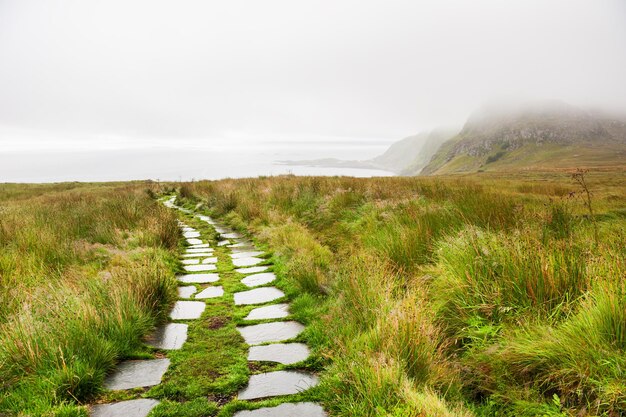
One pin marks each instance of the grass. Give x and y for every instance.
(85, 272)
(474, 295)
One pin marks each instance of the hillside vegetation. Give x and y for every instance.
(85, 272)
(474, 296)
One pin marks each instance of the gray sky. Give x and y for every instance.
(151, 71)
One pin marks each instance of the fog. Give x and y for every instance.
(93, 75)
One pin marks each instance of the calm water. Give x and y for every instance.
(181, 164)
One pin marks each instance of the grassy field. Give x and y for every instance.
(480, 295)
(85, 271)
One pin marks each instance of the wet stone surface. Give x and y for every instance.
(132, 408)
(270, 332)
(285, 353)
(187, 291)
(136, 374)
(248, 261)
(258, 296)
(258, 279)
(277, 383)
(198, 268)
(275, 311)
(285, 410)
(187, 310)
(194, 241)
(236, 255)
(198, 278)
(252, 269)
(211, 292)
(169, 336)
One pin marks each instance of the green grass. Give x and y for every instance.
(479, 295)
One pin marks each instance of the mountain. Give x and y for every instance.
(546, 135)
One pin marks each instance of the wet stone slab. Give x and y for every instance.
(187, 310)
(137, 374)
(285, 353)
(273, 384)
(258, 296)
(252, 269)
(270, 332)
(274, 311)
(187, 291)
(190, 261)
(211, 292)
(285, 410)
(198, 278)
(169, 336)
(248, 261)
(132, 408)
(211, 260)
(258, 279)
(199, 268)
(194, 241)
(236, 255)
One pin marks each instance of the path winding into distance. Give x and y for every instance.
(267, 341)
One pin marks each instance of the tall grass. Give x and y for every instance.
(85, 274)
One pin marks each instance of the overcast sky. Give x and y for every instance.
(154, 71)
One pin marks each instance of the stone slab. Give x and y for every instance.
(248, 261)
(236, 255)
(191, 234)
(258, 279)
(198, 246)
(170, 336)
(211, 292)
(198, 278)
(231, 235)
(244, 249)
(187, 310)
(223, 242)
(194, 241)
(186, 291)
(199, 268)
(285, 353)
(258, 296)
(190, 261)
(277, 383)
(270, 332)
(252, 269)
(274, 311)
(137, 374)
(241, 244)
(131, 408)
(211, 260)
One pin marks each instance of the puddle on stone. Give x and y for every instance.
(187, 310)
(247, 261)
(198, 278)
(236, 255)
(190, 261)
(194, 241)
(258, 296)
(285, 353)
(131, 408)
(223, 242)
(232, 235)
(197, 254)
(198, 268)
(186, 291)
(285, 410)
(272, 384)
(258, 279)
(136, 374)
(191, 234)
(211, 260)
(252, 270)
(198, 246)
(211, 292)
(169, 336)
(270, 332)
(274, 311)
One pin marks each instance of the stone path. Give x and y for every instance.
(269, 341)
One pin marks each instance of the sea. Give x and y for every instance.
(186, 162)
